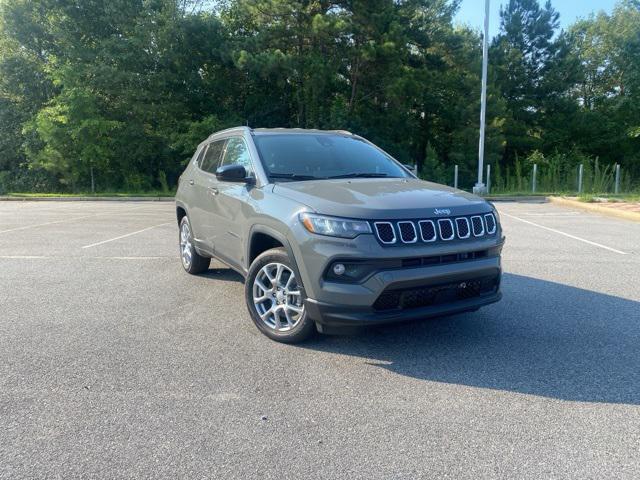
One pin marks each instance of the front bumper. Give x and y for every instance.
(442, 290)
(330, 315)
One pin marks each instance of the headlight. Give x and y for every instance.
(333, 226)
(495, 213)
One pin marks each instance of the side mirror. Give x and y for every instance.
(231, 173)
(411, 168)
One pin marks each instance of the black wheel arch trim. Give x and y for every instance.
(264, 229)
(181, 205)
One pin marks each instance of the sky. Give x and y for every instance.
(472, 11)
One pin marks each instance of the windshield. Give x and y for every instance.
(297, 157)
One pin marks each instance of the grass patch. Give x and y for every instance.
(596, 198)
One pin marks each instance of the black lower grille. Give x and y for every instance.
(426, 296)
(442, 259)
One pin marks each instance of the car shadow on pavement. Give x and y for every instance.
(543, 338)
(225, 274)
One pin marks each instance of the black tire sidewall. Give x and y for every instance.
(305, 327)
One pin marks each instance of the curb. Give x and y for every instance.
(524, 199)
(595, 208)
(87, 199)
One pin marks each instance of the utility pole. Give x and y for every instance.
(479, 187)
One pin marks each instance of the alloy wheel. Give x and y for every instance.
(277, 297)
(186, 248)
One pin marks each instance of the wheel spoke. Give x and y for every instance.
(287, 314)
(266, 313)
(279, 270)
(295, 308)
(276, 318)
(260, 284)
(261, 299)
(268, 274)
(290, 280)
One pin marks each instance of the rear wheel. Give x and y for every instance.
(275, 298)
(192, 261)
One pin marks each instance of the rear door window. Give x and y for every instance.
(199, 155)
(211, 159)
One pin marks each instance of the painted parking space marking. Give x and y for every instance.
(44, 224)
(599, 245)
(126, 235)
(76, 258)
(67, 220)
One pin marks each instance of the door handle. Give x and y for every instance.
(213, 191)
(191, 182)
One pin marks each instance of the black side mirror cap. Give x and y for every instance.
(232, 173)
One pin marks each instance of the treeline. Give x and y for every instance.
(116, 94)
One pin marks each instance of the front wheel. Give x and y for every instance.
(275, 298)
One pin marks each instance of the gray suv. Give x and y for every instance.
(330, 232)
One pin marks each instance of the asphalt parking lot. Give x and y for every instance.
(115, 363)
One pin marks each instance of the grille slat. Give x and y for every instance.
(445, 225)
(462, 225)
(386, 232)
(408, 232)
(477, 225)
(427, 231)
(490, 220)
(437, 229)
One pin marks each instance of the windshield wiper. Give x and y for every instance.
(360, 175)
(294, 176)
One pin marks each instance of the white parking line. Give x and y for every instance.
(26, 227)
(126, 235)
(43, 224)
(563, 233)
(76, 258)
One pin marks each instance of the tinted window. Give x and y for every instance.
(212, 157)
(236, 153)
(323, 155)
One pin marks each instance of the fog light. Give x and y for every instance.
(339, 269)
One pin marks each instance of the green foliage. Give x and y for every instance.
(121, 92)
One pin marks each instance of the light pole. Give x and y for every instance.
(479, 187)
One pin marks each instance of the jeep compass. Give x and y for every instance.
(330, 232)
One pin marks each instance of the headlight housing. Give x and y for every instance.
(334, 226)
(495, 214)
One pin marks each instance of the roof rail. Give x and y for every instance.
(344, 132)
(227, 130)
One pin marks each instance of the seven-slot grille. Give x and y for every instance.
(441, 229)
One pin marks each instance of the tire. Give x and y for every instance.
(280, 315)
(192, 261)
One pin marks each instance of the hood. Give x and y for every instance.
(381, 198)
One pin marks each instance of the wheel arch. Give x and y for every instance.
(263, 238)
(181, 211)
